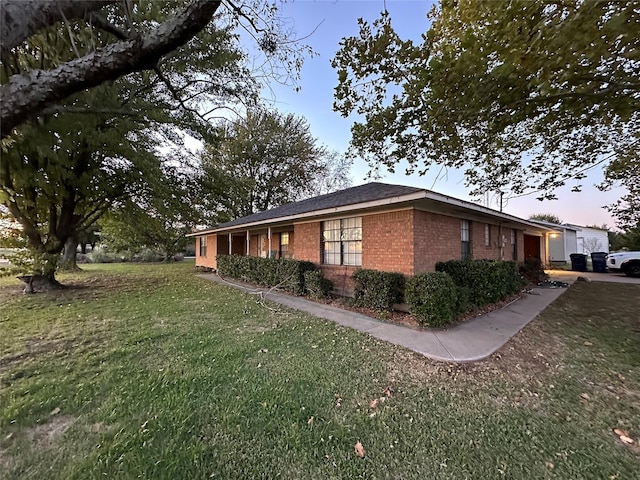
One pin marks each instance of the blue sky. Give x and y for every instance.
(332, 20)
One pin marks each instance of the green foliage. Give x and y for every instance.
(627, 240)
(158, 217)
(266, 160)
(524, 95)
(316, 285)
(531, 270)
(433, 298)
(482, 282)
(377, 290)
(269, 272)
(546, 217)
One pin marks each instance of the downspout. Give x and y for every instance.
(248, 238)
(230, 240)
(269, 235)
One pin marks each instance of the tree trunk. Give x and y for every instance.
(69, 255)
(83, 248)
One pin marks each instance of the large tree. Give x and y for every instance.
(70, 160)
(267, 158)
(157, 217)
(524, 95)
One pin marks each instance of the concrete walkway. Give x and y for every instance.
(467, 342)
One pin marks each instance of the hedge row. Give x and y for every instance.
(437, 298)
(377, 290)
(482, 282)
(269, 272)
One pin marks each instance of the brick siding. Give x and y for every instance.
(210, 260)
(387, 241)
(307, 246)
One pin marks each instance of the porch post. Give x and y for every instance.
(248, 238)
(230, 240)
(269, 233)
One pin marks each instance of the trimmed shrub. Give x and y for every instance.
(433, 298)
(532, 271)
(377, 290)
(269, 272)
(482, 282)
(316, 285)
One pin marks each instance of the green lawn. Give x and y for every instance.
(146, 371)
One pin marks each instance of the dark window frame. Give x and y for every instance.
(465, 239)
(203, 246)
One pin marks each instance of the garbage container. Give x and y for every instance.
(578, 262)
(599, 262)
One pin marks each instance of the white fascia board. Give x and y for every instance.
(479, 208)
(319, 213)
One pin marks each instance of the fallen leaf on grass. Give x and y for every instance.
(310, 421)
(585, 396)
(374, 403)
(359, 449)
(625, 439)
(619, 432)
(588, 344)
(549, 465)
(387, 392)
(55, 411)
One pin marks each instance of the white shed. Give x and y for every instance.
(592, 240)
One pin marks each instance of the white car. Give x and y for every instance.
(625, 262)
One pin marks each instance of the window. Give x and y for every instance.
(514, 246)
(487, 235)
(465, 249)
(203, 246)
(342, 241)
(284, 245)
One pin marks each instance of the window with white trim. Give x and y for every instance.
(465, 240)
(342, 241)
(487, 235)
(284, 245)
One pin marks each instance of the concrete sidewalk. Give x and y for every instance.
(467, 342)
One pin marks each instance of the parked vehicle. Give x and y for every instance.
(625, 262)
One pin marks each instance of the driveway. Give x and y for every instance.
(571, 276)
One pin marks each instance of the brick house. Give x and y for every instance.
(378, 226)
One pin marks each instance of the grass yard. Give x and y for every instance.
(146, 371)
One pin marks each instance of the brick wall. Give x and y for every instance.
(437, 238)
(479, 249)
(210, 260)
(307, 245)
(340, 275)
(387, 241)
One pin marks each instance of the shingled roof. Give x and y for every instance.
(350, 196)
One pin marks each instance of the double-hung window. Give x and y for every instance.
(284, 245)
(203, 246)
(342, 241)
(465, 240)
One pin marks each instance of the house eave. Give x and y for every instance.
(427, 198)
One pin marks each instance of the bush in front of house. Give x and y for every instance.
(482, 282)
(316, 285)
(433, 298)
(531, 270)
(268, 272)
(377, 290)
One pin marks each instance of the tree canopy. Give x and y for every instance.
(523, 95)
(265, 160)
